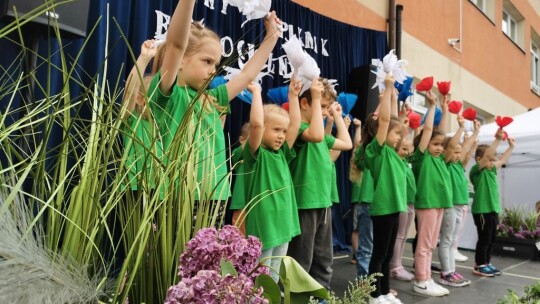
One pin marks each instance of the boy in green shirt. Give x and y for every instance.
(310, 171)
(486, 205)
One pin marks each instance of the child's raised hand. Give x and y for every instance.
(357, 122)
(476, 125)
(500, 134)
(395, 95)
(272, 25)
(254, 87)
(389, 81)
(148, 50)
(336, 109)
(347, 120)
(316, 88)
(444, 104)
(431, 98)
(295, 87)
(461, 121)
(511, 142)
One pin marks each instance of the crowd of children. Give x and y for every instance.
(285, 175)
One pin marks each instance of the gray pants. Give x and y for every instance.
(449, 231)
(313, 248)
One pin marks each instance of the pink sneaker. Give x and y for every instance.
(402, 274)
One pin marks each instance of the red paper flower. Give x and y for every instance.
(444, 87)
(285, 106)
(454, 106)
(425, 85)
(414, 120)
(469, 114)
(503, 121)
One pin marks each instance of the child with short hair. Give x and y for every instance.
(433, 194)
(192, 53)
(389, 198)
(312, 249)
(270, 202)
(486, 205)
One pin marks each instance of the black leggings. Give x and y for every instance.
(385, 229)
(486, 227)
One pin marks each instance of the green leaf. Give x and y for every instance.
(299, 283)
(271, 288)
(227, 268)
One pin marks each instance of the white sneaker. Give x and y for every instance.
(379, 300)
(392, 299)
(426, 288)
(439, 287)
(460, 257)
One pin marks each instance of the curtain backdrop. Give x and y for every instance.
(337, 48)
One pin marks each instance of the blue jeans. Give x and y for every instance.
(365, 239)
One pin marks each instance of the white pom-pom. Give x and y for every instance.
(389, 64)
(307, 72)
(295, 52)
(252, 9)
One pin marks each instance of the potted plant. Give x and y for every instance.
(518, 234)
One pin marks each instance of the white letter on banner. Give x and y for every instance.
(239, 49)
(283, 64)
(209, 4)
(224, 7)
(323, 49)
(227, 44)
(308, 44)
(162, 25)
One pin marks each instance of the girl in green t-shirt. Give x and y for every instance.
(389, 198)
(433, 193)
(179, 101)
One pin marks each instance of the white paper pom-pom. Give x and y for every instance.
(295, 52)
(389, 64)
(252, 9)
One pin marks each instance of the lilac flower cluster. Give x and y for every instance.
(209, 287)
(503, 230)
(200, 269)
(208, 247)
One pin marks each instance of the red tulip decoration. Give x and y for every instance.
(469, 114)
(285, 106)
(454, 106)
(505, 135)
(425, 84)
(444, 87)
(503, 121)
(414, 120)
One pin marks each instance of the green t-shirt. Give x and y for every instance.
(311, 170)
(334, 194)
(238, 194)
(268, 185)
(367, 187)
(355, 192)
(460, 187)
(208, 141)
(140, 163)
(411, 182)
(486, 190)
(388, 171)
(433, 185)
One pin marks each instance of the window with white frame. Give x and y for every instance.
(509, 26)
(535, 61)
(481, 4)
(513, 24)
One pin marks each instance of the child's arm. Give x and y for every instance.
(504, 158)
(315, 131)
(491, 151)
(394, 103)
(294, 112)
(469, 141)
(469, 153)
(455, 139)
(444, 107)
(256, 63)
(135, 78)
(256, 118)
(334, 154)
(343, 139)
(428, 123)
(329, 125)
(357, 132)
(384, 111)
(176, 44)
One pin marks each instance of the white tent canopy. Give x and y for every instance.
(519, 180)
